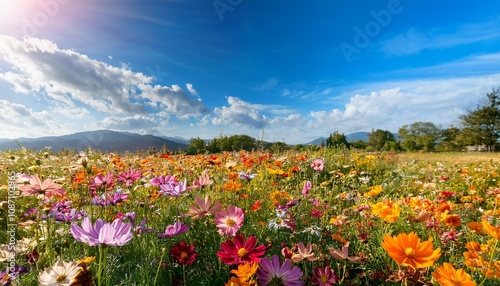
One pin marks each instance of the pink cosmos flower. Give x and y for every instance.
(202, 208)
(37, 187)
(318, 164)
(162, 180)
(230, 221)
(203, 181)
(174, 190)
(101, 181)
(129, 177)
(306, 188)
(117, 233)
(174, 229)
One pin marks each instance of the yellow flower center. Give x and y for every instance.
(230, 222)
(242, 252)
(184, 255)
(409, 252)
(323, 278)
(61, 278)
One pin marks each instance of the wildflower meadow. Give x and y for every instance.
(314, 217)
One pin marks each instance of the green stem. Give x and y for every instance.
(159, 265)
(102, 262)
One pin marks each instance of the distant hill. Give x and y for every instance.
(103, 140)
(363, 136)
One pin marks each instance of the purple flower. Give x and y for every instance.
(306, 188)
(102, 233)
(129, 177)
(244, 175)
(108, 199)
(162, 180)
(62, 212)
(274, 273)
(174, 229)
(11, 273)
(318, 164)
(141, 228)
(174, 190)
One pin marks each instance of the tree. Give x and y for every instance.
(450, 140)
(196, 146)
(482, 125)
(379, 139)
(337, 140)
(419, 136)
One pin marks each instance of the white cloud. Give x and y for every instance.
(239, 112)
(174, 99)
(413, 41)
(19, 121)
(191, 89)
(64, 76)
(133, 123)
(390, 105)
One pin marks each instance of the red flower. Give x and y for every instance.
(256, 206)
(183, 253)
(238, 251)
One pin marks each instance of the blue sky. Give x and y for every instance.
(279, 70)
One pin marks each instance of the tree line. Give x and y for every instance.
(478, 128)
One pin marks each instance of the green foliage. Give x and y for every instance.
(481, 126)
(379, 139)
(419, 136)
(337, 140)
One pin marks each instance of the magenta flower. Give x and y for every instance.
(174, 229)
(117, 233)
(318, 164)
(110, 199)
(306, 188)
(37, 187)
(101, 181)
(230, 221)
(274, 273)
(129, 177)
(323, 276)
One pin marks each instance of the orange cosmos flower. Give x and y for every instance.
(452, 220)
(476, 227)
(491, 230)
(407, 250)
(245, 271)
(446, 275)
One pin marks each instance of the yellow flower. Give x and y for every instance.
(374, 190)
(407, 250)
(446, 275)
(388, 211)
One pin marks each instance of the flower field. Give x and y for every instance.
(317, 217)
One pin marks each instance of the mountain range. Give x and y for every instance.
(103, 140)
(113, 141)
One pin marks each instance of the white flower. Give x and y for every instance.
(60, 274)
